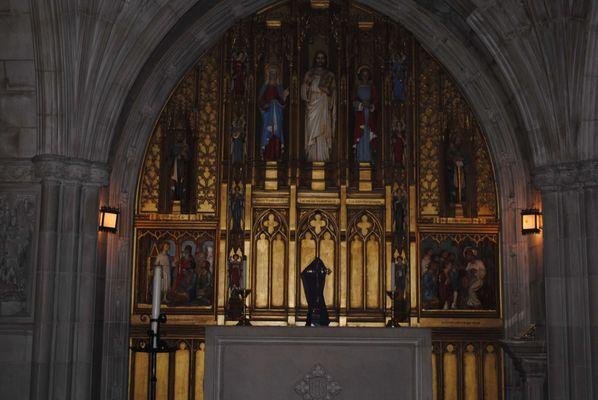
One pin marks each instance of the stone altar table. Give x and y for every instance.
(295, 363)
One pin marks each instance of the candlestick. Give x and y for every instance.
(392, 322)
(153, 345)
(244, 321)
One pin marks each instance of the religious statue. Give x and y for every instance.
(180, 156)
(398, 141)
(318, 90)
(313, 278)
(364, 100)
(235, 269)
(163, 260)
(399, 210)
(455, 171)
(237, 207)
(399, 75)
(477, 272)
(239, 68)
(400, 271)
(237, 151)
(272, 99)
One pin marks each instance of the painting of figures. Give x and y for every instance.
(459, 272)
(187, 259)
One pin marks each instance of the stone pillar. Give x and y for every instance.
(63, 365)
(529, 357)
(570, 214)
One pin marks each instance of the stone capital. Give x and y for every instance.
(566, 176)
(60, 168)
(529, 356)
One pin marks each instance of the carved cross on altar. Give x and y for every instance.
(271, 223)
(364, 225)
(317, 223)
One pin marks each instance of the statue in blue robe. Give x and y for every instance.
(272, 99)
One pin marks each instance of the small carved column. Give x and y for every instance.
(530, 359)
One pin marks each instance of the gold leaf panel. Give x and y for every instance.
(278, 271)
(150, 178)
(261, 271)
(181, 381)
(373, 273)
(485, 186)
(207, 154)
(429, 136)
(356, 273)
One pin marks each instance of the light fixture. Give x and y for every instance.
(531, 220)
(109, 219)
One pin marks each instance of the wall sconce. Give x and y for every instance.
(531, 221)
(109, 219)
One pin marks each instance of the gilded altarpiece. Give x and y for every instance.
(238, 192)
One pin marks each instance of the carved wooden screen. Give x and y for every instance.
(228, 173)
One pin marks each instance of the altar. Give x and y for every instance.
(317, 363)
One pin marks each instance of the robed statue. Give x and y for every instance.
(272, 99)
(364, 106)
(318, 90)
(313, 278)
(179, 166)
(455, 171)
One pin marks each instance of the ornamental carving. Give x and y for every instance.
(317, 385)
(17, 222)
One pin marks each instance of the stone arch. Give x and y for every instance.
(179, 50)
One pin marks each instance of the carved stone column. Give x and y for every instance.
(529, 357)
(66, 277)
(570, 214)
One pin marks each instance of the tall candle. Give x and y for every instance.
(156, 297)
(243, 276)
(393, 275)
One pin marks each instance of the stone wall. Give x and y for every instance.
(18, 134)
(19, 197)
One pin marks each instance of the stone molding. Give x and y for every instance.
(53, 167)
(566, 176)
(17, 171)
(529, 356)
(531, 361)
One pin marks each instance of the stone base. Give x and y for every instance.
(365, 177)
(256, 363)
(176, 207)
(459, 210)
(318, 176)
(271, 182)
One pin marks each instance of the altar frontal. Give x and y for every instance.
(317, 363)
